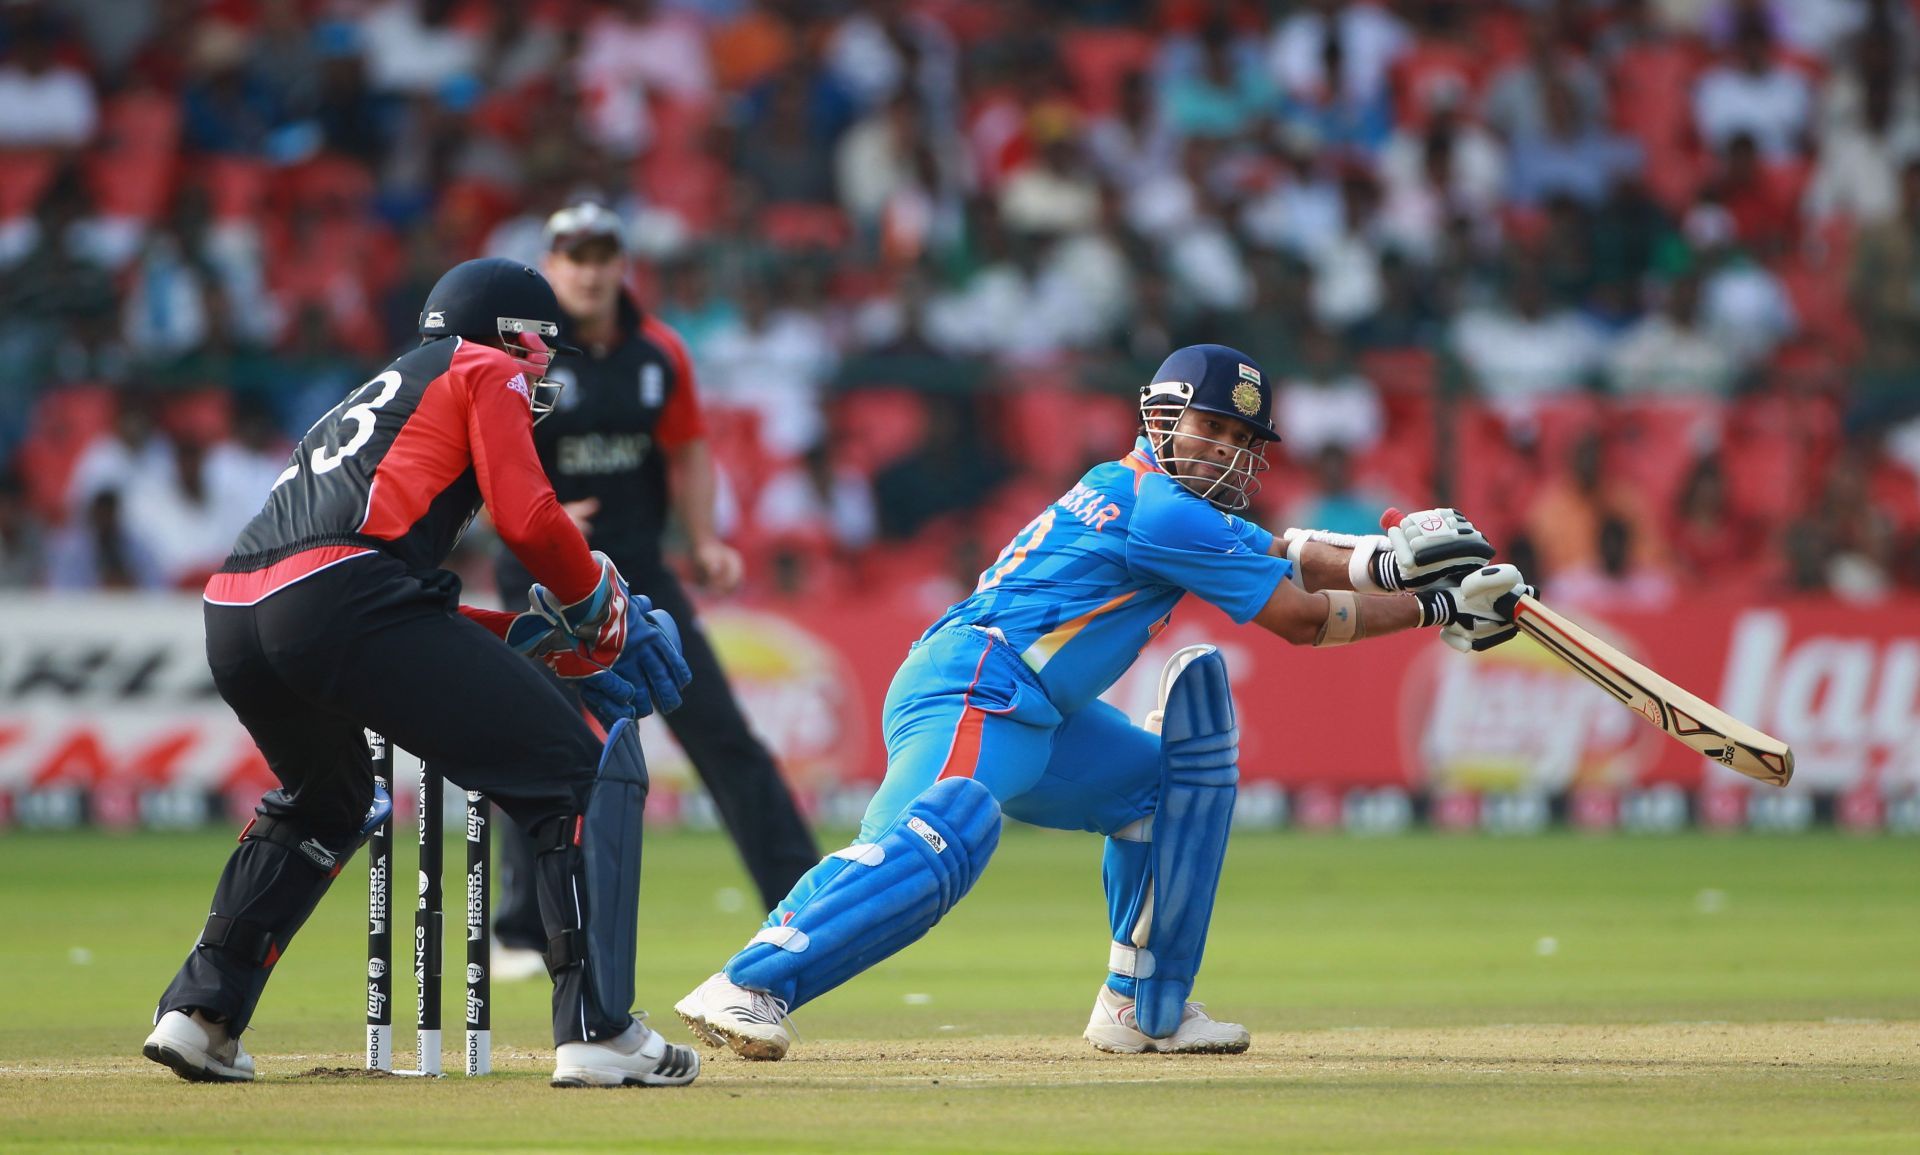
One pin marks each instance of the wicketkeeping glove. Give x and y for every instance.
(649, 674)
(594, 628)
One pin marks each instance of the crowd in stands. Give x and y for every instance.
(1635, 282)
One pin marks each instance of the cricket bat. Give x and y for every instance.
(1686, 717)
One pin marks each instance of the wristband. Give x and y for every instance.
(1437, 607)
(1343, 619)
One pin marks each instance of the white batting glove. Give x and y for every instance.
(1478, 615)
(1434, 547)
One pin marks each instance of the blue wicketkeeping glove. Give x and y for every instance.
(648, 673)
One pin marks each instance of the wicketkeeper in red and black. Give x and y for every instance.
(332, 617)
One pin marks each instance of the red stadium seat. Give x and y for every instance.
(795, 225)
(328, 185)
(137, 185)
(878, 427)
(65, 421)
(24, 177)
(680, 126)
(1057, 431)
(1819, 295)
(1098, 61)
(1490, 477)
(144, 120)
(236, 186)
(693, 185)
(1655, 441)
(1402, 371)
(203, 416)
(734, 435)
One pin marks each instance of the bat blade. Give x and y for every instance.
(1686, 717)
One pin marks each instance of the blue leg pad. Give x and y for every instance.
(873, 899)
(1199, 753)
(609, 846)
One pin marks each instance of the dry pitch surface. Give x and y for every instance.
(1786, 1087)
(1403, 995)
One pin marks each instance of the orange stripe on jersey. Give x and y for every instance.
(1037, 655)
(1141, 465)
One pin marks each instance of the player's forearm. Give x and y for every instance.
(690, 480)
(1334, 561)
(1319, 566)
(1341, 617)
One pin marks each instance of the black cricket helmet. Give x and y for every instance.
(1226, 383)
(495, 300)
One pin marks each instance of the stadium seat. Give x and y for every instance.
(1654, 441)
(877, 427)
(1098, 61)
(1819, 295)
(328, 184)
(1057, 432)
(203, 416)
(796, 225)
(691, 184)
(142, 120)
(64, 422)
(236, 186)
(24, 178)
(1402, 372)
(136, 185)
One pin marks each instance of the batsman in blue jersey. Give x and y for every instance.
(997, 710)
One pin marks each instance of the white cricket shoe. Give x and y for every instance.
(752, 1023)
(639, 1057)
(198, 1049)
(1112, 1028)
(514, 964)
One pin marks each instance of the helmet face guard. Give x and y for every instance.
(527, 342)
(1229, 484)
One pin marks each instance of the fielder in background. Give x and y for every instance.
(332, 616)
(996, 711)
(625, 447)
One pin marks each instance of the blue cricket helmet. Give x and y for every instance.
(1217, 379)
(1224, 382)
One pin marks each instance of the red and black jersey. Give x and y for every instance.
(621, 407)
(402, 465)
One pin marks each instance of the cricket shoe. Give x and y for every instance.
(752, 1023)
(513, 964)
(1113, 1028)
(638, 1057)
(198, 1049)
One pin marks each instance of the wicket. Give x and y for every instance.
(429, 942)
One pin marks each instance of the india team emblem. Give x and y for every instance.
(1246, 391)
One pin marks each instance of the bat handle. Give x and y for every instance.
(1391, 518)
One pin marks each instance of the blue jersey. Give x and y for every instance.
(1085, 585)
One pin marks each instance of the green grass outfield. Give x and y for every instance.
(1422, 993)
